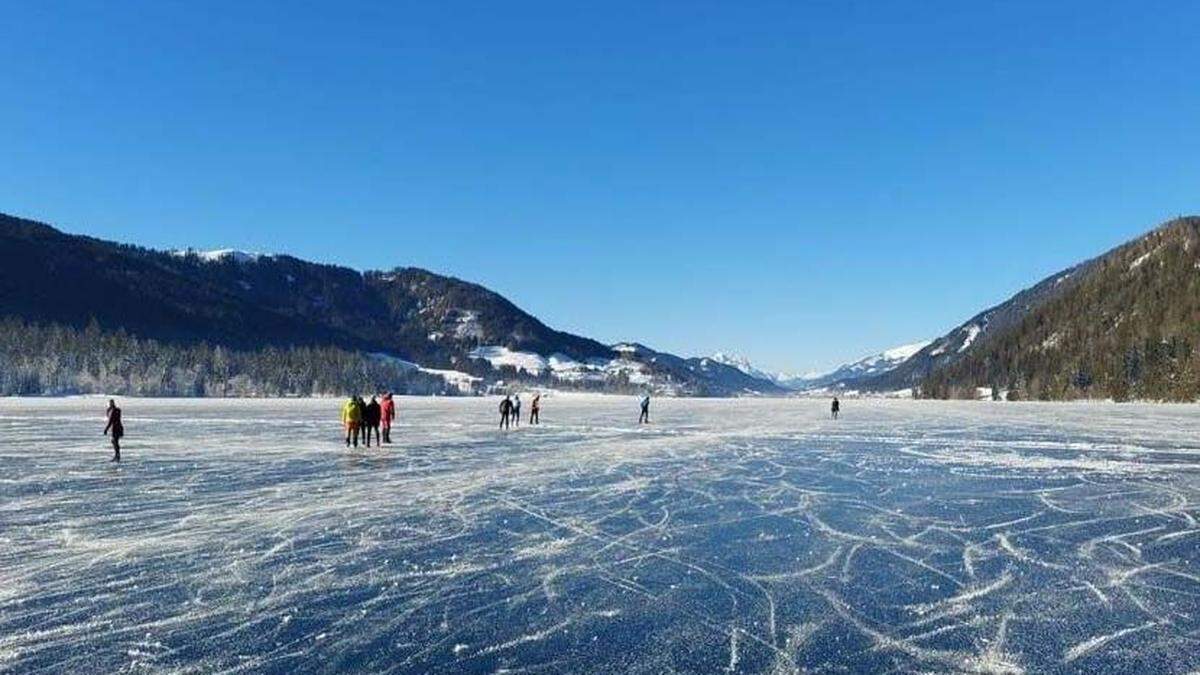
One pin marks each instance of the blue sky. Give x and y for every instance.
(803, 182)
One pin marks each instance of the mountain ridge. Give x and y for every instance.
(250, 302)
(843, 377)
(1122, 325)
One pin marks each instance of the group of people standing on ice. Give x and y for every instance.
(363, 419)
(510, 411)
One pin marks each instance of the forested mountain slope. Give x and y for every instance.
(1124, 325)
(184, 303)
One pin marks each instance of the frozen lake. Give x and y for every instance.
(749, 536)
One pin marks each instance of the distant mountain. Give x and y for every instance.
(851, 375)
(1123, 325)
(251, 302)
(953, 346)
(843, 377)
(744, 365)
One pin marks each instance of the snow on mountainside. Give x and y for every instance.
(743, 364)
(1119, 326)
(871, 366)
(979, 329)
(220, 255)
(564, 369)
(890, 358)
(876, 364)
(261, 305)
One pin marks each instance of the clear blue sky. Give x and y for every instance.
(804, 182)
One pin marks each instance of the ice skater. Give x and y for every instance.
(835, 408)
(505, 412)
(352, 418)
(116, 428)
(644, 418)
(387, 413)
(516, 409)
(371, 418)
(535, 407)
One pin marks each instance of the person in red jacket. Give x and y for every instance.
(387, 411)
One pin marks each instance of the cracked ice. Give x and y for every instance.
(743, 535)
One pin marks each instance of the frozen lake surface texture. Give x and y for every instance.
(743, 536)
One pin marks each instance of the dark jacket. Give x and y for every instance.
(114, 423)
(372, 414)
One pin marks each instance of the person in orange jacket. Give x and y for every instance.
(387, 413)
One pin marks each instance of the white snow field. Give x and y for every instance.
(739, 535)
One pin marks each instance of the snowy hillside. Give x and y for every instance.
(260, 305)
(562, 369)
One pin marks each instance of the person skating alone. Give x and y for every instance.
(387, 413)
(644, 418)
(371, 418)
(505, 412)
(114, 429)
(535, 408)
(835, 408)
(516, 409)
(351, 418)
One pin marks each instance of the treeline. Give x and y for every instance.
(40, 359)
(1129, 330)
(510, 378)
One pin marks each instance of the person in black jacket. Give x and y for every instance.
(114, 425)
(835, 408)
(506, 411)
(372, 414)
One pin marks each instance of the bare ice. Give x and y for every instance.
(744, 535)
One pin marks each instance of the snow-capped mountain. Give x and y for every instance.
(743, 364)
(878, 364)
(843, 376)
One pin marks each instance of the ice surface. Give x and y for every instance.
(749, 535)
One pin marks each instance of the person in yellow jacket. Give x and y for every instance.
(352, 418)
